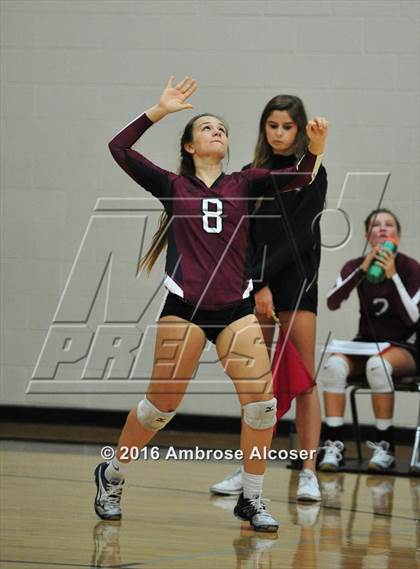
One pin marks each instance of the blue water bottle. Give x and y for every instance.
(376, 273)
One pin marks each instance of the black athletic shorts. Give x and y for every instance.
(287, 292)
(212, 322)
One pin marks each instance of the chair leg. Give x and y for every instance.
(355, 416)
(415, 455)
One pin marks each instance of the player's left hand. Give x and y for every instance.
(317, 132)
(386, 260)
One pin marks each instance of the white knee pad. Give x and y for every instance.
(379, 375)
(151, 417)
(260, 415)
(334, 375)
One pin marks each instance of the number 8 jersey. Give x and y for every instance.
(208, 255)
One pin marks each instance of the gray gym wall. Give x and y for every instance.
(74, 72)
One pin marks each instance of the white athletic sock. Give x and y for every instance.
(115, 470)
(334, 421)
(383, 424)
(252, 485)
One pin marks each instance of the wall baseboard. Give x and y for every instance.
(195, 423)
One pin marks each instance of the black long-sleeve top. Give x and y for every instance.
(292, 237)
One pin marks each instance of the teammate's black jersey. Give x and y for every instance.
(286, 235)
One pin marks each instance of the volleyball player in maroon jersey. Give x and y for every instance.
(285, 267)
(389, 312)
(207, 228)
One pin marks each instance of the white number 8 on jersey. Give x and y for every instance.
(212, 218)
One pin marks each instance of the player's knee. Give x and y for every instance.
(379, 375)
(334, 375)
(151, 417)
(261, 414)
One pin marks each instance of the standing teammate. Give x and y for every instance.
(389, 311)
(209, 287)
(287, 235)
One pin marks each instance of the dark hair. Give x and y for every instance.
(186, 168)
(294, 106)
(375, 212)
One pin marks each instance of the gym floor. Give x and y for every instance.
(171, 521)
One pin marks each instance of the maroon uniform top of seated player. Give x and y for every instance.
(207, 261)
(389, 310)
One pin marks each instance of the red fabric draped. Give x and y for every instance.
(290, 376)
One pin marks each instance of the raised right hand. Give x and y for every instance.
(317, 132)
(173, 98)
